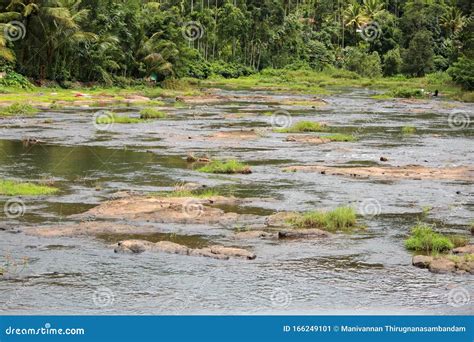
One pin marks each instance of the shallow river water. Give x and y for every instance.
(367, 272)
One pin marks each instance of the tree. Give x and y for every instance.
(392, 62)
(418, 58)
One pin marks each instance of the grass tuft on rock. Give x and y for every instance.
(18, 109)
(226, 167)
(304, 126)
(207, 193)
(152, 113)
(424, 239)
(340, 137)
(408, 130)
(113, 118)
(341, 218)
(12, 188)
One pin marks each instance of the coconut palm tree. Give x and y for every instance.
(453, 20)
(157, 54)
(355, 16)
(372, 7)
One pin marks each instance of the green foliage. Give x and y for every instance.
(340, 137)
(424, 239)
(392, 62)
(408, 130)
(341, 218)
(364, 64)
(418, 58)
(407, 93)
(226, 167)
(15, 80)
(18, 109)
(152, 113)
(113, 118)
(462, 72)
(11, 188)
(303, 126)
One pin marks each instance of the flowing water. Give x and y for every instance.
(367, 272)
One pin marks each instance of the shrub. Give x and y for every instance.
(418, 58)
(340, 137)
(13, 79)
(18, 109)
(113, 118)
(230, 70)
(424, 239)
(368, 65)
(392, 62)
(342, 218)
(462, 72)
(407, 93)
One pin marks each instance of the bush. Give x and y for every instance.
(304, 126)
(424, 239)
(368, 65)
(152, 113)
(418, 58)
(228, 167)
(462, 72)
(13, 79)
(18, 109)
(230, 70)
(392, 62)
(407, 93)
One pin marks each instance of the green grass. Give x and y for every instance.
(304, 126)
(226, 167)
(11, 188)
(152, 113)
(341, 218)
(407, 130)
(113, 118)
(424, 239)
(207, 193)
(18, 109)
(340, 137)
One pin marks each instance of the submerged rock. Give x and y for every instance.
(468, 249)
(216, 252)
(461, 173)
(302, 233)
(255, 234)
(442, 265)
(308, 139)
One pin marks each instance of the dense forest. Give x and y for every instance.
(115, 42)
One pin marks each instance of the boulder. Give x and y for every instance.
(422, 261)
(468, 249)
(233, 252)
(442, 265)
(254, 234)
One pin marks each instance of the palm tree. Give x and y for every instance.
(157, 54)
(372, 7)
(453, 20)
(355, 16)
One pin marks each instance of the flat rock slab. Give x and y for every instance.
(166, 210)
(469, 249)
(460, 173)
(308, 139)
(215, 252)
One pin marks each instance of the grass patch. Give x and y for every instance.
(340, 137)
(18, 109)
(152, 113)
(226, 167)
(407, 93)
(207, 193)
(342, 218)
(113, 118)
(408, 130)
(12, 188)
(304, 126)
(424, 239)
